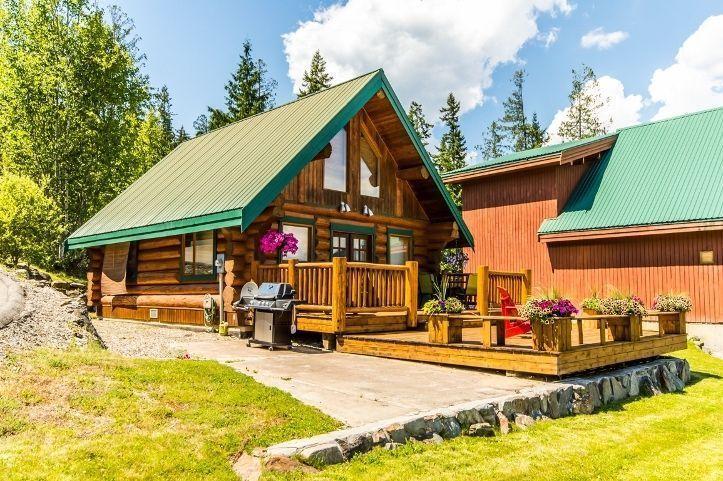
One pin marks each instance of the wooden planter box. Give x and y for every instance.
(445, 328)
(556, 336)
(628, 328)
(671, 323)
(590, 323)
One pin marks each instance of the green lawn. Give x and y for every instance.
(674, 436)
(93, 415)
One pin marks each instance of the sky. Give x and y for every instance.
(653, 59)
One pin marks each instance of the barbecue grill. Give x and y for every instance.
(273, 314)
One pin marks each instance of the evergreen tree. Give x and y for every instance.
(181, 136)
(316, 78)
(583, 117)
(249, 92)
(493, 143)
(200, 125)
(165, 116)
(419, 122)
(452, 150)
(536, 135)
(514, 120)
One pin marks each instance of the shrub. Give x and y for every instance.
(672, 303)
(30, 222)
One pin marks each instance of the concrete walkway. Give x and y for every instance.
(356, 389)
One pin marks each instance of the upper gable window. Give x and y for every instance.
(368, 170)
(335, 165)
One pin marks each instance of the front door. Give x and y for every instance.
(355, 247)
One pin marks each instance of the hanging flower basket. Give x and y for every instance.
(274, 241)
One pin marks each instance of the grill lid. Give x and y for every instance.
(275, 290)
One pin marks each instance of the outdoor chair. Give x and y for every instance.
(426, 287)
(470, 293)
(508, 308)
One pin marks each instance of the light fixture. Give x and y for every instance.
(367, 211)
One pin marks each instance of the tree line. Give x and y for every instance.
(80, 121)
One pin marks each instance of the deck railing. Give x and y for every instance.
(341, 287)
(518, 284)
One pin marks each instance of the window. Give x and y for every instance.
(368, 170)
(354, 246)
(400, 249)
(335, 165)
(303, 235)
(198, 254)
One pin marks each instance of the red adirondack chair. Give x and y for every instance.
(507, 305)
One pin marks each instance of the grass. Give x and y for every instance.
(88, 414)
(674, 436)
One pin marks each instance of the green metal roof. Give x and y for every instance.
(657, 173)
(523, 155)
(228, 176)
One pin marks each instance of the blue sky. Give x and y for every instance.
(192, 47)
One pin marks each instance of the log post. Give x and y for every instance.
(411, 290)
(338, 294)
(526, 284)
(483, 290)
(255, 271)
(292, 273)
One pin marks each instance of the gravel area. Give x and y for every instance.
(138, 339)
(49, 319)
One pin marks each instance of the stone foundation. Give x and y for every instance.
(581, 395)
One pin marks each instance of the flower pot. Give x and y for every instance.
(590, 323)
(628, 328)
(555, 336)
(444, 328)
(672, 323)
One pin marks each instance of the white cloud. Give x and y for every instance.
(695, 80)
(548, 38)
(623, 110)
(601, 39)
(427, 48)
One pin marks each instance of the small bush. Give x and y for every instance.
(30, 222)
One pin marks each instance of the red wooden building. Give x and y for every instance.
(640, 210)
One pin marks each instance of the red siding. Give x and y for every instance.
(504, 213)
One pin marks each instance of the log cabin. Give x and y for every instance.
(640, 209)
(341, 169)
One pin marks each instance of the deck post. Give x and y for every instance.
(526, 285)
(291, 278)
(483, 290)
(255, 271)
(411, 282)
(338, 294)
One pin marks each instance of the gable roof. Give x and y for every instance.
(228, 176)
(669, 171)
(556, 152)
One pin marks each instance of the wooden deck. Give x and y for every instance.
(517, 355)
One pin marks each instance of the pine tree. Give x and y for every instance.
(200, 125)
(165, 116)
(249, 92)
(493, 143)
(514, 120)
(316, 78)
(536, 135)
(452, 150)
(583, 117)
(419, 122)
(181, 136)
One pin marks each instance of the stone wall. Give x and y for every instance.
(581, 395)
